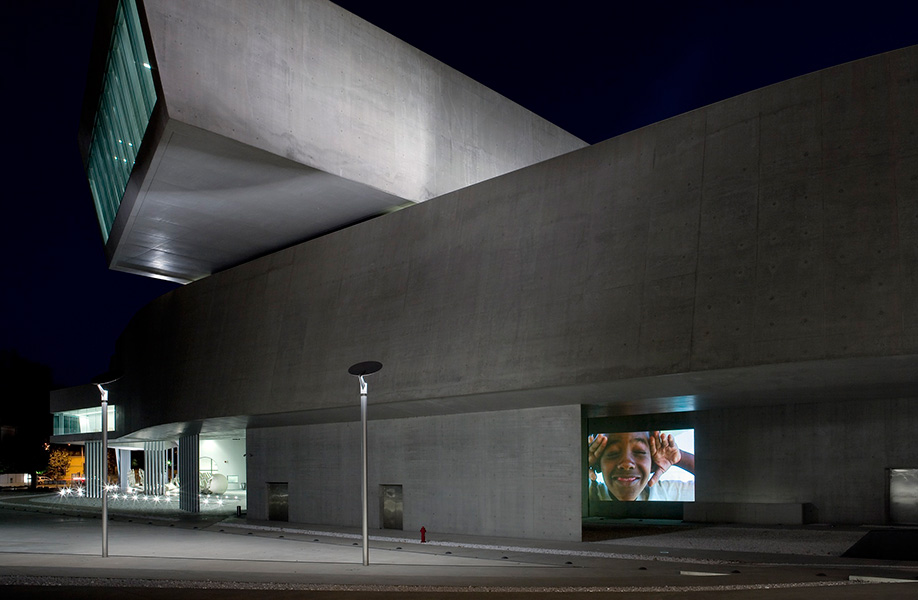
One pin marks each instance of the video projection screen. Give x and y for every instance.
(639, 466)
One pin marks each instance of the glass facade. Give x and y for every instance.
(84, 420)
(124, 110)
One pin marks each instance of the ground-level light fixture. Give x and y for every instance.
(99, 381)
(361, 370)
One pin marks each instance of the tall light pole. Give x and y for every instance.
(99, 381)
(361, 370)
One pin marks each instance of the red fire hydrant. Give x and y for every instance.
(423, 534)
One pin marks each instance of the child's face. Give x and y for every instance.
(626, 464)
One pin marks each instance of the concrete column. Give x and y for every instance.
(124, 469)
(154, 470)
(189, 484)
(94, 466)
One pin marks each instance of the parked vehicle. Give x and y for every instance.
(15, 480)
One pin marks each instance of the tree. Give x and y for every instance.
(58, 463)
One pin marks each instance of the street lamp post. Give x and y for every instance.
(99, 381)
(361, 370)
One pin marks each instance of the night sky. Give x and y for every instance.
(596, 69)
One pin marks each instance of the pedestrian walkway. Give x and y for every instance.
(44, 542)
(137, 503)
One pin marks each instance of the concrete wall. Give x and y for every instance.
(776, 228)
(772, 228)
(833, 455)
(306, 80)
(507, 473)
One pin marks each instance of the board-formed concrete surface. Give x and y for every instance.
(281, 120)
(751, 263)
(531, 484)
(664, 265)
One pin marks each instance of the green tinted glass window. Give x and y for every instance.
(84, 420)
(124, 110)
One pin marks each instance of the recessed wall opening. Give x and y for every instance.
(903, 496)
(390, 506)
(277, 501)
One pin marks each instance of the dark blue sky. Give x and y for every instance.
(597, 69)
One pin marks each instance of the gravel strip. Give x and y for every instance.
(6, 580)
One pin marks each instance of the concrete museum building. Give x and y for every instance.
(746, 272)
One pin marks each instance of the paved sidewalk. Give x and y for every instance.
(42, 544)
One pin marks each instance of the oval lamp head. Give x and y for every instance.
(107, 377)
(365, 368)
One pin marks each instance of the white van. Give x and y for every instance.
(15, 480)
